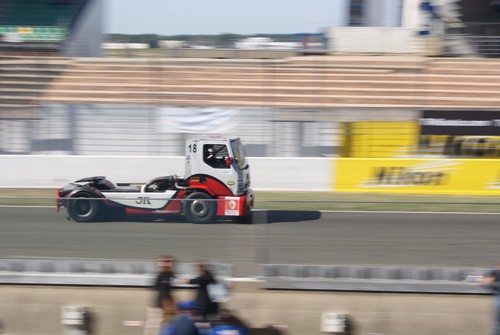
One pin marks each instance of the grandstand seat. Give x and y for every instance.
(296, 83)
(40, 13)
(327, 83)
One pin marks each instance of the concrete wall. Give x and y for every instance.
(27, 310)
(55, 171)
(382, 40)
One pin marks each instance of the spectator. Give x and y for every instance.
(492, 280)
(496, 5)
(204, 305)
(163, 285)
(183, 323)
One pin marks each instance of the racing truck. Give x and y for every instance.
(216, 184)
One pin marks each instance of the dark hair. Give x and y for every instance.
(206, 271)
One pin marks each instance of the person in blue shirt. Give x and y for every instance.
(229, 324)
(183, 323)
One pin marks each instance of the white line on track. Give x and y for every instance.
(394, 212)
(409, 212)
(324, 211)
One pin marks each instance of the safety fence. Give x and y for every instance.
(272, 276)
(139, 130)
(135, 130)
(486, 46)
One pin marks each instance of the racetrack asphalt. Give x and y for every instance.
(278, 237)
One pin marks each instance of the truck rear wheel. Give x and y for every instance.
(199, 207)
(84, 207)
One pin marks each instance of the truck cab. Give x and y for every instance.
(217, 166)
(221, 158)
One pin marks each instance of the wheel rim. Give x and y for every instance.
(82, 207)
(199, 208)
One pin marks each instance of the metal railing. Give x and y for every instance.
(486, 46)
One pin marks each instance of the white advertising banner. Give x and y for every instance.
(197, 120)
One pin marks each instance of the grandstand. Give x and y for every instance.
(67, 27)
(297, 82)
(33, 36)
(22, 81)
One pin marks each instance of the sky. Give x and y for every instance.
(192, 17)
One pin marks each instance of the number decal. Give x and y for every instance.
(192, 148)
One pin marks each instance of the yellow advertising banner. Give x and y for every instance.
(379, 139)
(418, 176)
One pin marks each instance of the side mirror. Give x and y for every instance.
(229, 161)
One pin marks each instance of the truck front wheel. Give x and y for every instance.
(84, 207)
(199, 207)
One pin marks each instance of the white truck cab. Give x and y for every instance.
(221, 158)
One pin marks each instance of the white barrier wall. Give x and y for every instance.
(382, 40)
(295, 174)
(50, 171)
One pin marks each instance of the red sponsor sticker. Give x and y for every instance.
(232, 206)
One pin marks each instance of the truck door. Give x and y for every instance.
(217, 159)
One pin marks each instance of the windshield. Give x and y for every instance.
(239, 153)
(215, 155)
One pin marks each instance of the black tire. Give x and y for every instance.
(84, 207)
(199, 207)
